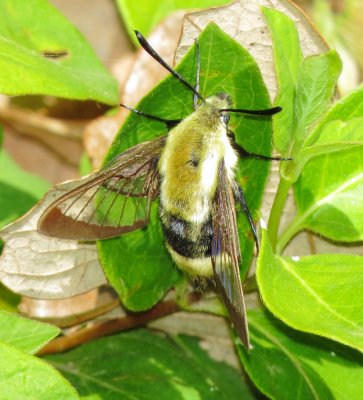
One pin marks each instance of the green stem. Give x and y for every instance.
(276, 211)
(288, 234)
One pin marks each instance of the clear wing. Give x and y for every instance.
(114, 200)
(226, 255)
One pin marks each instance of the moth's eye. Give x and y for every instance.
(225, 119)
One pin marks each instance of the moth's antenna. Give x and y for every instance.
(196, 87)
(170, 123)
(145, 45)
(267, 111)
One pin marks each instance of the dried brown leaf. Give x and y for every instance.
(99, 134)
(74, 310)
(48, 268)
(48, 310)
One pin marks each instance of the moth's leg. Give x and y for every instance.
(170, 123)
(196, 87)
(244, 153)
(241, 199)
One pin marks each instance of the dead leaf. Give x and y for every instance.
(47, 310)
(99, 134)
(38, 266)
(73, 310)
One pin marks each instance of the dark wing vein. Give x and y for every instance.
(114, 200)
(226, 255)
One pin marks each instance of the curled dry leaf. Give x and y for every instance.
(73, 310)
(99, 134)
(48, 310)
(243, 21)
(42, 267)
(142, 75)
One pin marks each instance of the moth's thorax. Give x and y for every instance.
(189, 162)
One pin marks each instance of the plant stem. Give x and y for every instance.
(286, 236)
(100, 329)
(276, 211)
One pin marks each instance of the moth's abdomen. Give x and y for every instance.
(188, 243)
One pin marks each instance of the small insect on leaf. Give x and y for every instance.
(192, 170)
(60, 54)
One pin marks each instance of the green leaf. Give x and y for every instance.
(344, 110)
(305, 85)
(225, 67)
(25, 334)
(145, 15)
(19, 190)
(335, 136)
(26, 377)
(328, 196)
(287, 59)
(285, 364)
(318, 76)
(140, 365)
(39, 45)
(319, 294)
(329, 189)
(23, 376)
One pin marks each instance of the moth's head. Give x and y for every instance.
(219, 101)
(217, 104)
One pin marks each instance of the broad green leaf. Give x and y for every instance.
(345, 110)
(318, 76)
(285, 364)
(139, 271)
(287, 59)
(328, 196)
(335, 136)
(319, 294)
(42, 53)
(26, 377)
(305, 85)
(145, 15)
(19, 190)
(25, 334)
(140, 365)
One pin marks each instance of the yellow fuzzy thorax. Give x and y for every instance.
(189, 162)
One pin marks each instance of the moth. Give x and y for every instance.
(192, 172)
